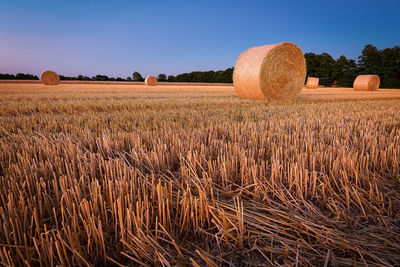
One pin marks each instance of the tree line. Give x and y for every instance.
(220, 76)
(340, 72)
(343, 71)
(18, 76)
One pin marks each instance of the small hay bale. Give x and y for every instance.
(312, 83)
(151, 81)
(49, 77)
(366, 83)
(271, 72)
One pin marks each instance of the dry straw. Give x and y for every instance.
(151, 81)
(270, 72)
(366, 83)
(110, 180)
(50, 78)
(312, 83)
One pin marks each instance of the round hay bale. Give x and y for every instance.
(312, 83)
(151, 81)
(50, 78)
(366, 83)
(272, 72)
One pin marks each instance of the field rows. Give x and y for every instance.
(118, 175)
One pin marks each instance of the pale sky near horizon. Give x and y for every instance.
(118, 37)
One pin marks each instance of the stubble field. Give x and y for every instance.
(192, 175)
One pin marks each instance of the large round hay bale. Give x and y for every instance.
(366, 83)
(312, 83)
(272, 72)
(49, 77)
(151, 81)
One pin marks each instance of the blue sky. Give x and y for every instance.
(118, 37)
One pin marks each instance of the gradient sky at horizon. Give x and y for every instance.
(118, 37)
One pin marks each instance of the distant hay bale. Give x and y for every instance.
(151, 81)
(50, 78)
(366, 83)
(272, 72)
(312, 83)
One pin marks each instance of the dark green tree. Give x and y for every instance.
(162, 77)
(227, 76)
(327, 64)
(312, 63)
(321, 66)
(100, 77)
(370, 60)
(171, 78)
(136, 76)
(345, 71)
(221, 76)
(385, 63)
(390, 67)
(22, 76)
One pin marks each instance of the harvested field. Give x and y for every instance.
(100, 174)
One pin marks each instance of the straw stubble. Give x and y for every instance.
(116, 175)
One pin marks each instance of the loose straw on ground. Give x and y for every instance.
(366, 83)
(49, 77)
(272, 72)
(151, 81)
(312, 83)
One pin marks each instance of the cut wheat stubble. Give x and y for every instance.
(120, 177)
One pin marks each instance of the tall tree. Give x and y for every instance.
(345, 71)
(390, 67)
(162, 77)
(370, 60)
(136, 76)
(171, 78)
(312, 63)
(321, 66)
(327, 64)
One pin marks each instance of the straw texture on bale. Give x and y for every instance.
(271, 72)
(151, 81)
(50, 78)
(366, 83)
(312, 83)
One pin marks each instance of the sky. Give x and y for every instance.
(116, 38)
